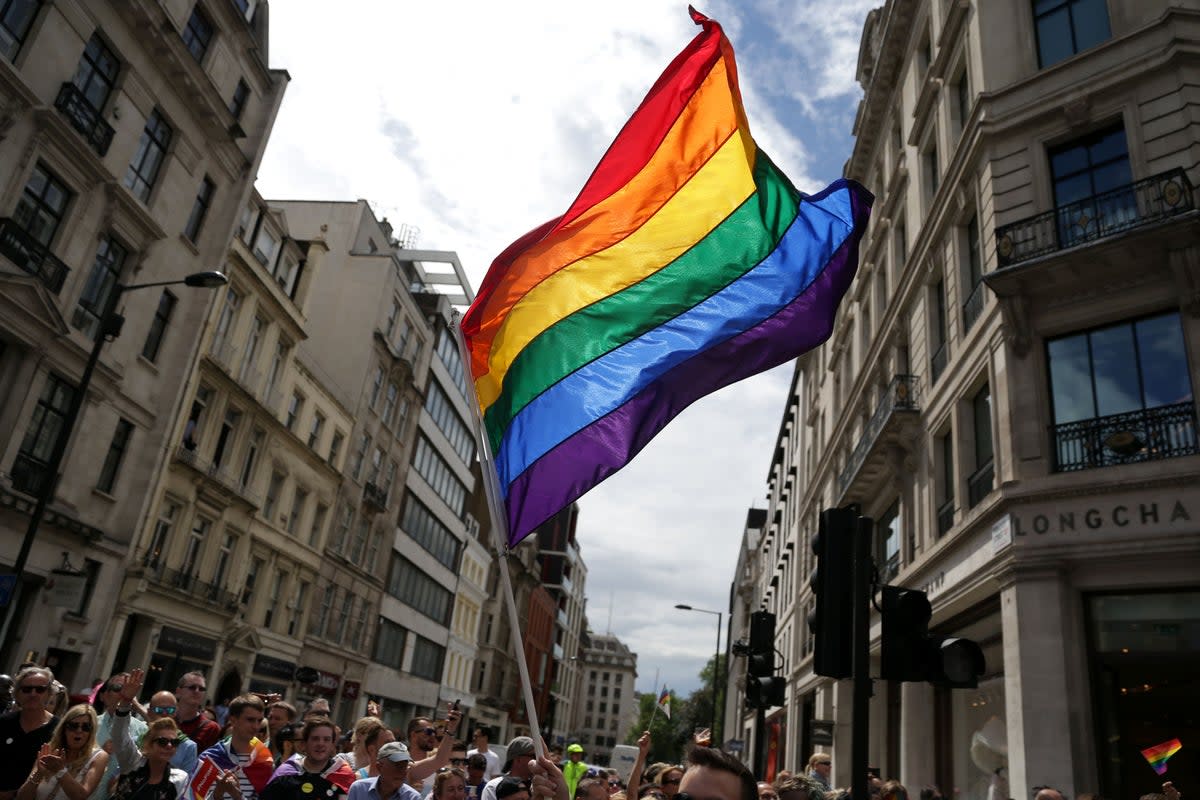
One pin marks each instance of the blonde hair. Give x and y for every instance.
(157, 728)
(443, 777)
(366, 731)
(58, 739)
(812, 762)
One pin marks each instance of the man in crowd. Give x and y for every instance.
(520, 755)
(162, 704)
(476, 774)
(245, 762)
(24, 730)
(279, 714)
(713, 774)
(480, 740)
(109, 695)
(574, 769)
(424, 748)
(392, 762)
(317, 708)
(189, 706)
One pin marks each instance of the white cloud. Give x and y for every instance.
(476, 122)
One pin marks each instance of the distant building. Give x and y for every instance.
(564, 574)
(130, 136)
(607, 703)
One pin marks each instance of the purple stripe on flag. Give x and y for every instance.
(594, 453)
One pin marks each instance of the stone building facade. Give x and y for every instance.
(1010, 393)
(129, 140)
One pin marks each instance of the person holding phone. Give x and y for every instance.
(426, 749)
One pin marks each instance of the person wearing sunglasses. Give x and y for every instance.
(146, 774)
(70, 764)
(24, 730)
(425, 745)
(106, 699)
(189, 712)
(162, 704)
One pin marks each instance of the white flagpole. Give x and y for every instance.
(499, 526)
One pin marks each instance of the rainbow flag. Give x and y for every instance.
(664, 702)
(687, 262)
(1158, 755)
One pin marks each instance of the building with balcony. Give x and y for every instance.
(381, 336)
(131, 135)
(565, 576)
(607, 703)
(1010, 393)
(227, 565)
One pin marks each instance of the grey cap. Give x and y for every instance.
(394, 752)
(520, 746)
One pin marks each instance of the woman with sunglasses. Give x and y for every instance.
(146, 774)
(24, 730)
(70, 765)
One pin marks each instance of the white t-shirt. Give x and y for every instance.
(493, 763)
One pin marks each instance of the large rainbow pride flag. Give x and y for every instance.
(687, 262)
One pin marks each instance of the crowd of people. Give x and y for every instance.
(259, 747)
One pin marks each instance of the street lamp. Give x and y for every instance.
(109, 328)
(716, 665)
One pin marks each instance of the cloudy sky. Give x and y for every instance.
(475, 122)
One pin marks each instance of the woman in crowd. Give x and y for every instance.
(320, 773)
(450, 784)
(70, 765)
(669, 780)
(819, 767)
(370, 734)
(146, 774)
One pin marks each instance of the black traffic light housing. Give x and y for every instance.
(766, 692)
(832, 585)
(909, 652)
(764, 689)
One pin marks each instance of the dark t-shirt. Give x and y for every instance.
(18, 749)
(201, 730)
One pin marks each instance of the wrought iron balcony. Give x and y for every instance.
(979, 485)
(187, 584)
(375, 497)
(973, 307)
(901, 396)
(945, 517)
(1144, 435)
(31, 255)
(29, 475)
(1140, 203)
(84, 117)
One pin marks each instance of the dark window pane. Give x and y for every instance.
(982, 406)
(1054, 37)
(1165, 378)
(1091, 23)
(1115, 369)
(1071, 379)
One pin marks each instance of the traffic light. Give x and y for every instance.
(832, 585)
(909, 652)
(763, 688)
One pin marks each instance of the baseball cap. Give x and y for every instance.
(394, 752)
(519, 746)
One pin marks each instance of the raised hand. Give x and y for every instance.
(643, 743)
(133, 685)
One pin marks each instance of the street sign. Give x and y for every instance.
(822, 732)
(7, 584)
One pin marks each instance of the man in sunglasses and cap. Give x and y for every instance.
(520, 755)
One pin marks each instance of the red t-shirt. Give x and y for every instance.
(201, 730)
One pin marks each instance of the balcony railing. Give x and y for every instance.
(31, 255)
(973, 307)
(901, 396)
(375, 496)
(1139, 203)
(945, 517)
(84, 117)
(937, 364)
(980, 483)
(29, 475)
(189, 585)
(1144, 435)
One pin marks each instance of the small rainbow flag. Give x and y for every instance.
(1158, 755)
(688, 262)
(664, 702)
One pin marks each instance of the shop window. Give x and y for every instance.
(1093, 186)
(1066, 27)
(1121, 394)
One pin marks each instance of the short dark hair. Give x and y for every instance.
(287, 707)
(312, 723)
(581, 788)
(184, 678)
(416, 723)
(482, 732)
(243, 701)
(477, 761)
(510, 785)
(712, 758)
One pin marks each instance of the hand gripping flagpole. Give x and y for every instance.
(499, 526)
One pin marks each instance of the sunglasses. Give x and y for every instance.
(614, 783)
(824, 763)
(168, 710)
(195, 687)
(429, 731)
(32, 689)
(85, 727)
(672, 782)
(163, 741)
(458, 761)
